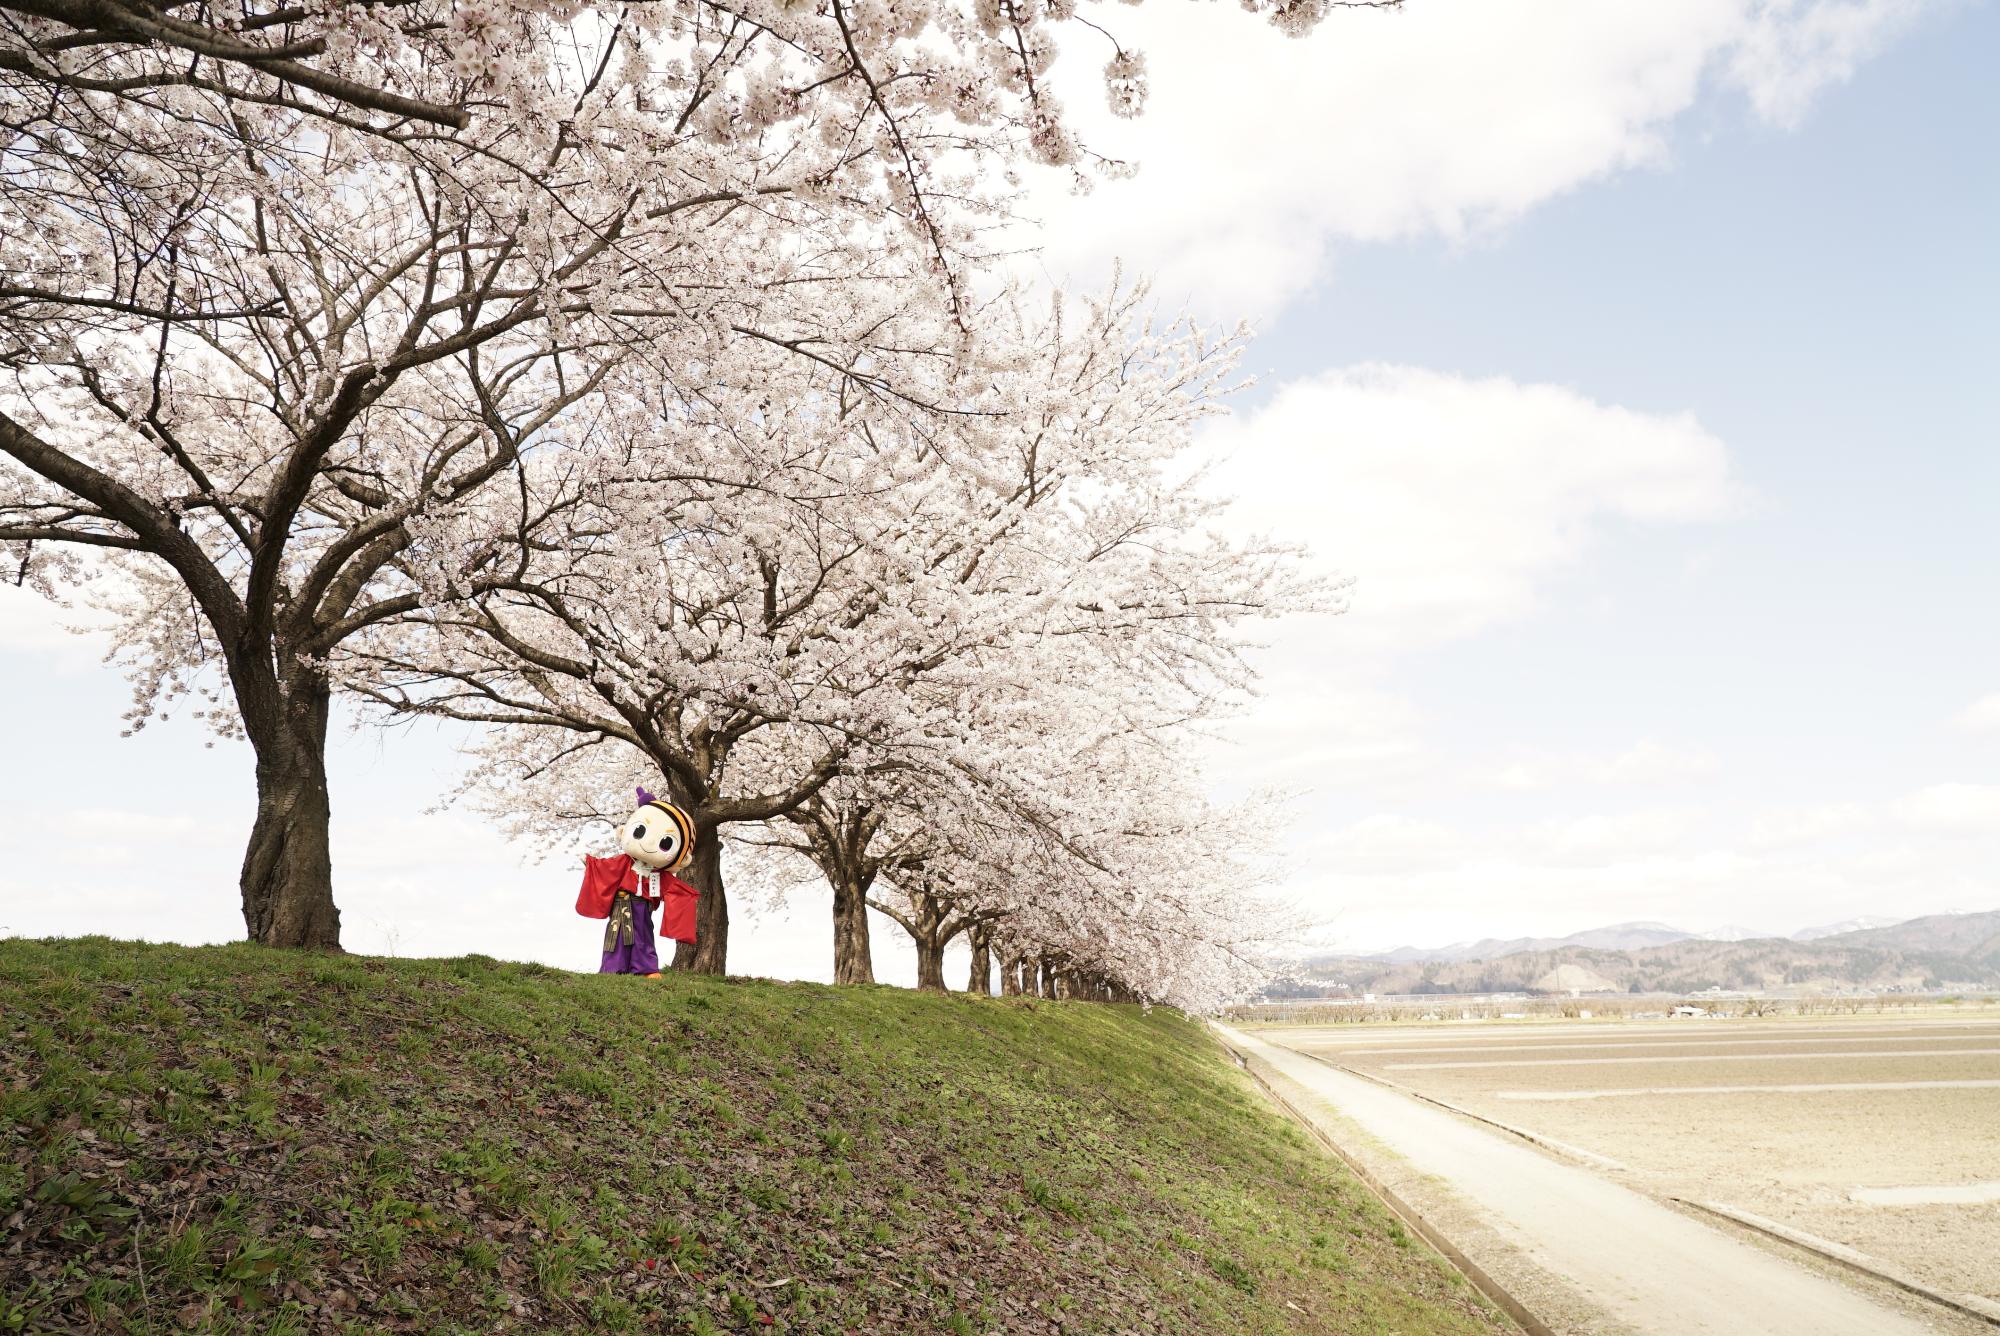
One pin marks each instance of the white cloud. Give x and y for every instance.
(1644, 763)
(1952, 808)
(1522, 776)
(1649, 762)
(1820, 823)
(1388, 842)
(1318, 723)
(1983, 713)
(1791, 49)
(1604, 840)
(1448, 118)
(1452, 500)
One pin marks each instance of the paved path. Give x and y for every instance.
(1646, 1267)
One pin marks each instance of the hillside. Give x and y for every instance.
(1614, 937)
(1976, 936)
(1950, 950)
(1961, 934)
(232, 1139)
(1845, 925)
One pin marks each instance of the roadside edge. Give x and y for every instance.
(1477, 1277)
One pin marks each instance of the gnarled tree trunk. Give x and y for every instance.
(853, 962)
(709, 952)
(930, 964)
(928, 919)
(287, 879)
(980, 980)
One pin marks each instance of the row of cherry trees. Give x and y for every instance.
(630, 379)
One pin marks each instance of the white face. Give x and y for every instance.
(652, 837)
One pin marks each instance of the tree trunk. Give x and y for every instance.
(287, 880)
(1010, 976)
(852, 960)
(709, 952)
(1048, 979)
(930, 964)
(1025, 968)
(980, 981)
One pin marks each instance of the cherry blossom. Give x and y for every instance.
(339, 340)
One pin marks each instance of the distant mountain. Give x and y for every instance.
(1974, 935)
(1627, 936)
(1403, 953)
(1638, 936)
(1845, 925)
(1943, 951)
(1735, 932)
(1615, 937)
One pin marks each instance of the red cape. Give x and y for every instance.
(603, 878)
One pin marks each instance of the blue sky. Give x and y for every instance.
(1670, 496)
(1821, 298)
(1825, 301)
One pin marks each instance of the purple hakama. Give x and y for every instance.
(628, 937)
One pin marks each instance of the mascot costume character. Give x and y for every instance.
(657, 839)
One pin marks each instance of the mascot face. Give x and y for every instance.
(657, 835)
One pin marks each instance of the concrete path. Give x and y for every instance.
(1646, 1267)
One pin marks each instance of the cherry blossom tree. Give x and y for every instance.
(841, 841)
(720, 617)
(816, 579)
(402, 68)
(258, 371)
(1116, 882)
(874, 840)
(1133, 887)
(289, 295)
(250, 412)
(1059, 830)
(924, 906)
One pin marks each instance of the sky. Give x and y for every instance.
(1634, 362)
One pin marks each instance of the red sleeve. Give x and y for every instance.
(601, 879)
(677, 908)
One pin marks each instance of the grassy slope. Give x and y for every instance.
(229, 1138)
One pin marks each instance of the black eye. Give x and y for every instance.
(667, 843)
(638, 832)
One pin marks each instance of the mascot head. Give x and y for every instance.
(657, 835)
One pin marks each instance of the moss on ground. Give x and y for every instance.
(228, 1138)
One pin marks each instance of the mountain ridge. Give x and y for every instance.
(1931, 952)
(1630, 936)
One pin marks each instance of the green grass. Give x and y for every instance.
(227, 1138)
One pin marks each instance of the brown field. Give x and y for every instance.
(1788, 1118)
